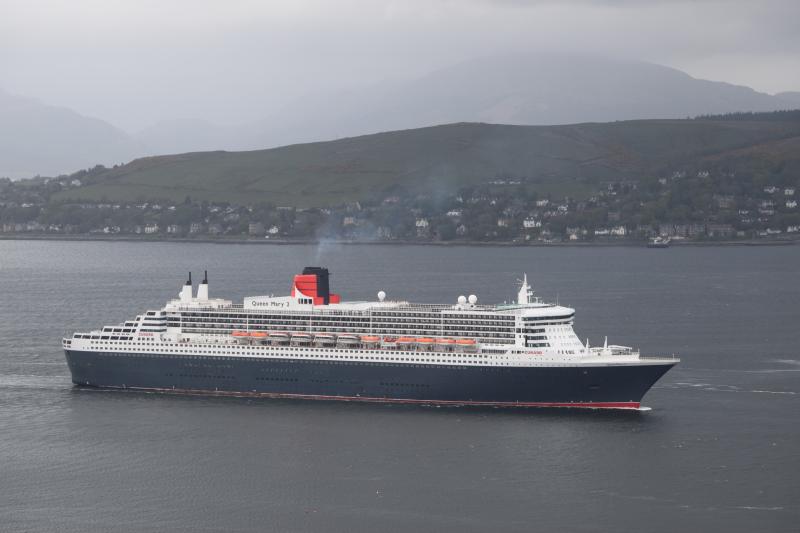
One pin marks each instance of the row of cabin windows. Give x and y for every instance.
(529, 319)
(462, 358)
(222, 351)
(446, 330)
(499, 339)
(360, 317)
(361, 363)
(391, 325)
(362, 325)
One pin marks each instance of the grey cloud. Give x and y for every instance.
(135, 63)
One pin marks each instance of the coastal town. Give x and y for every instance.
(697, 205)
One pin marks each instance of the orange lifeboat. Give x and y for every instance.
(425, 340)
(370, 338)
(444, 342)
(259, 334)
(240, 334)
(406, 340)
(466, 342)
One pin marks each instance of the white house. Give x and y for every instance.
(618, 231)
(531, 223)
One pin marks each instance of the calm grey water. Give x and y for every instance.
(719, 451)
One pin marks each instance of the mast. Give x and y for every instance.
(525, 292)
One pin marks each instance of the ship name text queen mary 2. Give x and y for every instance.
(312, 345)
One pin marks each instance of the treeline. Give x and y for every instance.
(788, 115)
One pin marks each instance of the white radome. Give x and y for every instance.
(462, 299)
(381, 296)
(473, 299)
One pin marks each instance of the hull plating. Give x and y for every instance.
(615, 387)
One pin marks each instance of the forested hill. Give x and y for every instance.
(571, 159)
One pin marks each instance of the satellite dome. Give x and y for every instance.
(462, 299)
(473, 299)
(381, 296)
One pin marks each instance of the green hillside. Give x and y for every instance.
(561, 159)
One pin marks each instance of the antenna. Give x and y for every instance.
(205, 279)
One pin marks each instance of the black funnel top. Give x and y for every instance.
(323, 283)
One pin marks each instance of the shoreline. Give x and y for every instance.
(284, 242)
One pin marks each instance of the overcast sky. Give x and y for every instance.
(133, 62)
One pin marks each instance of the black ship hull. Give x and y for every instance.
(617, 386)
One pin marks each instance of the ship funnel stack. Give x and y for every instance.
(186, 292)
(525, 294)
(202, 289)
(314, 284)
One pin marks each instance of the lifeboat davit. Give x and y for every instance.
(389, 342)
(278, 337)
(347, 338)
(301, 338)
(324, 338)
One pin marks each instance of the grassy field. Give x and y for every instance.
(561, 159)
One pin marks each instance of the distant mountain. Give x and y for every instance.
(36, 138)
(543, 89)
(540, 89)
(791, 97)
(441, 159)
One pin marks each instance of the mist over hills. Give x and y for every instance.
(524, 89)
(521, 89)
(792, 97)
(39, 139)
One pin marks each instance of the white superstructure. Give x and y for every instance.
(312, 324)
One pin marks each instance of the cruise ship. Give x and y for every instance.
(313, 345)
